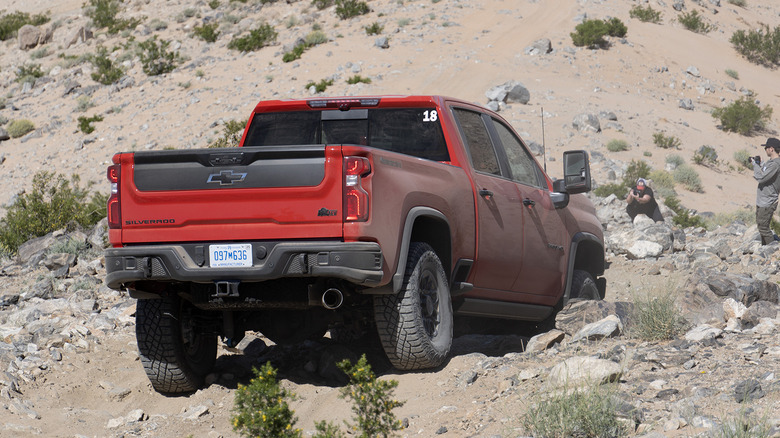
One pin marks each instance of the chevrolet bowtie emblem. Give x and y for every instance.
(226, 177)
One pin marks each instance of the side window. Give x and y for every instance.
(480, 148)
(520, 162)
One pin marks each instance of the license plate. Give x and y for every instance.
(230, 256)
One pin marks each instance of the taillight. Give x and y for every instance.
(112, 208)
(355, 197)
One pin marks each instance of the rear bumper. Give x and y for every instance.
(356, 262)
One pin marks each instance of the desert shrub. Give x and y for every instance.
(616, 145)
(53, 203)
(745, 424)
(740, 3)
(705, 156)
(346, 9)
(664, 142)
(743, 116)
(675, 160)
(744, 215)
(232, 132)
(590, 33)
(156, 59)
(694, 22)
(157, 25)
(104, 15)
(688, 177)
(758, 46)
(576, 412)
(372, 400)
(28, 73)
(40, 53)
(663, 183)
(374, 29)
(107, 73)
(315, 38)
(742, 157)
(357, 79)
(616, 189)
(256, 40)
(656, 317)
(636, 169)
(733, 74)
(294, 54)
(683, 217)
(18, 128)
(646, 15)
(322, 4)
(83, 103)
(207, 32)
(85, 123)
(11, 23)
(320, 86)
(214, 4)
(616, 28)
(261, 408)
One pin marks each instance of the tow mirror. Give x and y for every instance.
(576, 172)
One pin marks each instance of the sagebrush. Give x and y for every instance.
(743, 116)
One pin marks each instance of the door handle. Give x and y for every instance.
(529, 202)
(485, 193)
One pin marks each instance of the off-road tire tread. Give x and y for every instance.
(581, 279)
(399, 320)
(160, 347)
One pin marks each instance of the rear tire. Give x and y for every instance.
(415, 325)
(175, 354)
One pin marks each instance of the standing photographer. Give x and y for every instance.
(768, 176)
(641, 201)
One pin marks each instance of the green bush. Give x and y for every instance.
(28, 73)
(207, 32)
(107, 73)
(231, 134)
(256, 40)
(694, 22)
(663, 183)
(357, 79)
(11, 23)
(664, 142)
(743, 116)
(18, 128)
(294, 54)
(322, 4)
(675, 160)
(261, 408)
(616, 145)
(156, 59)
(372, 400)
(740, 3)
(213, 4)
(320, 86)
(636, 169)
(705, 156)
(374, 29)
(733, 74)
(656, 318)
(742, 157)
(616, 28)
(52, 204)
(85, 123)
(351, 8)
(104, 15)
(590, 33)
(758, 46)
(688, 177)
(683, 217)
(576, 412)
(616, 189)
(314, 38)
(645, 15)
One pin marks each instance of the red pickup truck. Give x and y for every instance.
(390, 212)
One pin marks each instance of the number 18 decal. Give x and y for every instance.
(430, 116)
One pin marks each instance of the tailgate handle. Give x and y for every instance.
(226, 159)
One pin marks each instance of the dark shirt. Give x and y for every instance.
(649, 209)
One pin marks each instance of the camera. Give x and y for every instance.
(635, 192)
(756, 159)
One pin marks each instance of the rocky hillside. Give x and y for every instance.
(68, 360)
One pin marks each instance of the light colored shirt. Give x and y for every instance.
(766, 174)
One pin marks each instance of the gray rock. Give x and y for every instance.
(586, 123)
(544, 341)
(29, 36)
(702, 333)
(606, 328)
(582, 370)
(539, 47)
(748, 390)
(382, 42)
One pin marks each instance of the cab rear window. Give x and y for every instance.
(411, 131)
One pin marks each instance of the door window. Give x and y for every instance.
(521, 164)
(478, 144)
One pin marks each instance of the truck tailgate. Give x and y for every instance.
(232, 194)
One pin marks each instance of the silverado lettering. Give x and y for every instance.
(440, 211)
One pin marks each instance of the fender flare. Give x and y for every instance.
(576, 240)
(406, 237)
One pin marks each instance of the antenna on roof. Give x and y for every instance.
(544, 149)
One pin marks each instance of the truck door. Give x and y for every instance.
(499, 209)
(546, 241)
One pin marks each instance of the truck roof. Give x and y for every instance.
(346, 102)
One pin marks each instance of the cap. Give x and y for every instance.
(772, 142)
(641, 181)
